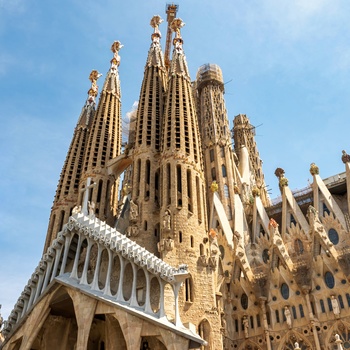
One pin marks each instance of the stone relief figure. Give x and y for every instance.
(76, 209)
(335, 306)
(132, 231)
(214, 246)
(167, 220)
(134, 210)
(246, 326)
(91, 206)
(288, 316)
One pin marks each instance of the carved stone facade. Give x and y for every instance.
(194, 254)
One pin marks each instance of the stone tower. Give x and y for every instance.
(183, 211)
(244, 140)
(145, 189)
(67, 190)
(216, 137)
(104, 143)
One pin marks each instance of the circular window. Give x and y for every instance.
(329, 279)
(333, 236)
(285, 291)
(244, 301)
(265, 256)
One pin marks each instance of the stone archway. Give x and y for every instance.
(148, 343)
(204, 331)
(60, 329)
(289, 340)
(343, 330)
(250, 345)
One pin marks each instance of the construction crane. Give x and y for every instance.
(170, 10)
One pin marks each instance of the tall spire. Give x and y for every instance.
(184, 237)
(145, 194)
(216, 137)
(67, 190)
(104, 143)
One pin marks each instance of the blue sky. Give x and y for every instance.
(286, 64)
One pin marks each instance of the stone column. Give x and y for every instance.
(84, 308)
(306, 291)
(266, 326)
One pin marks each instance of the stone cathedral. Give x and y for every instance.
(170, 241)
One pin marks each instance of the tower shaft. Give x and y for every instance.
(145, 189)
(67, 190)
(216, 138)
(104, 143)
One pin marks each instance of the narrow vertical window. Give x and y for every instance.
(199, 206)
(179, 186)
(192, 242)
(323, 309)
(148, 179)
(168, 179)
(277, 316)
(213, 174)
(99, 192)
(189, 190)
(211, 155)
(226, 191)
(223, 169)
(138, 177)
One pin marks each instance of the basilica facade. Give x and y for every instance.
(170, 241)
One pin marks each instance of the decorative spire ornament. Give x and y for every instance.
(93, 91)
(155, 22)
(115, 61)
(176, 25)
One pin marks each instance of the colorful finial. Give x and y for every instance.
(93, 91)
(155, 22)
(176, 25)
(115, 61)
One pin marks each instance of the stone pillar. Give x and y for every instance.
(306, 291)
(84, 308)
(266, 326)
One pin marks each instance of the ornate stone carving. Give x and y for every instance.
(214, 186)
(166, 244)
(255, 191)
(134, 211)
(167, 221)
(314, 170)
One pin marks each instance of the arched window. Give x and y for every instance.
(226, 191)
(329, 280)
(298, 246)
(192, 241)
(244, 301)
(223, 169)
(265, 256)
(333, 236)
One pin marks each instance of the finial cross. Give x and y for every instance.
(86, 191)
